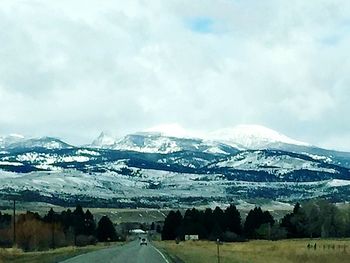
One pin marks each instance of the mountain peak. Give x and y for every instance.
(10, 139)
(253, 136)
(104, 139)
(41, 142)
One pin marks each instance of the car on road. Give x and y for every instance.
(143, 241)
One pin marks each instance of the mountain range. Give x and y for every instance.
(172, 168)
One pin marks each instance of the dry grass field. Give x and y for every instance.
(117, 215)
(51, 256)
(285, 251)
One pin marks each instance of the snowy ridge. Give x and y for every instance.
(18, 141)
(278, 164)
(44, 142)
(5, 141)
(252, 137)
(154, 142)
(147, 142)
(163, 139)
(159, 169)
(104, 140)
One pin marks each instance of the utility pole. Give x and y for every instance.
(14, 222)
(218, 249)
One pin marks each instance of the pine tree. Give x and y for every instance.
(89, 223)
(289, 221)
(208, 221)
(255, 219)
(172, 226)
(78, 220)
(219, 218)
(105, 230)
(233, 219)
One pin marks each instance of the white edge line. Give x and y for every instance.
(167, 261)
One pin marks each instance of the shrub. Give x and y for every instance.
(84, 240)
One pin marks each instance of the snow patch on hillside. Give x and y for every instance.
(148, 143)
(280, 163)
(11, 163)
(337, 183)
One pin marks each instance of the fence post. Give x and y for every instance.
(218, 249)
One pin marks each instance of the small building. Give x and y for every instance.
(137, 231)
(191, 237)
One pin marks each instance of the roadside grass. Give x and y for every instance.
(16, 255)
(261, 251)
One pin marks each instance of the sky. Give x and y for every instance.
(72, 69)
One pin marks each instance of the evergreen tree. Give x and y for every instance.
(295, 223)
(255, 219)
(172, 226)
(51, 216)
(300, 222)
(78, 220)
(208, 221)
(105, 230)
(219, 224)
(296, 208)
(89, 223)
(193, 223)
(5, 220)
(67, 219)
(219, 218)
(233, 219)
(287, 224)
(159, 229)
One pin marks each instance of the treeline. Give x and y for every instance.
(35, 232)
(313, 219)
(317, 219)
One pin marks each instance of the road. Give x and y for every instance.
(129, 253)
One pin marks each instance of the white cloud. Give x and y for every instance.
(74, 68)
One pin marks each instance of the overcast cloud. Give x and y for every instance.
(74, 68)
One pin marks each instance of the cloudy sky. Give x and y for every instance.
(74, 68)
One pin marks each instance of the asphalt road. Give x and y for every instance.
(129, 253)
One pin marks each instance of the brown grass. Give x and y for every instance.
(285, 251)
(54, 255)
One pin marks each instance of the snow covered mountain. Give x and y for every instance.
(167, 139)
(5, 141)
(104, 140)
(153, 142)
(252, 137)
(129, 178)
(44, 142)
(164, 140)
(19, 142)
(160, 169)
